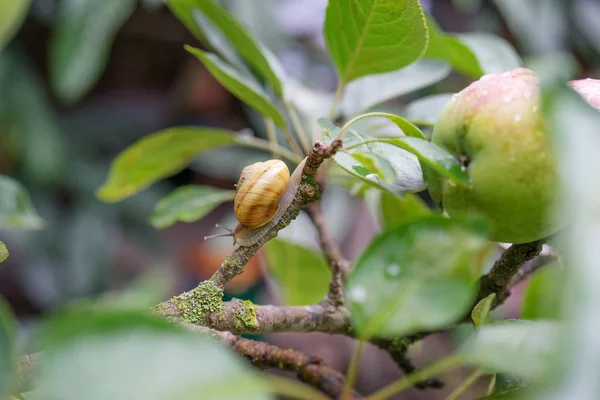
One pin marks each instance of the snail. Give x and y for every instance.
(265, 191)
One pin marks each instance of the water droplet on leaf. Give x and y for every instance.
(358, 294)
(393, 270)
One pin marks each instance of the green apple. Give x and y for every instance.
(495, 128)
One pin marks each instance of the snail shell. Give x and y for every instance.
(259, 191)
(246, 236)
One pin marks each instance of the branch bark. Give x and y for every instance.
(241, 317)
(508, 265)
(309, 369)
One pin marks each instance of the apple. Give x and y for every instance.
(495, 129)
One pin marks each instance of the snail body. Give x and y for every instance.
(259, 190)
(251, 183)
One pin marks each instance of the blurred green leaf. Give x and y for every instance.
(371, 36)
(451, 49)
(7, 351)
(524, 348)
(235, 32)
(574, 126)
(301, 273)
(81, 43)
(240, 86)
(397, 210)
(16, 209)
(416, 276)
(406, 166)
(493, 52)
(3, 252)
(158, 156)
(543, 294)
(369, 91)
(427, 109)
(12, 15)
(138, 357)
(481, 310)
(188, 204)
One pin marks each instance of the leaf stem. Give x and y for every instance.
(406, 126)
(301, 133)
(459, 391)
(261, 144)
(336, 99)
(271, 135)
(352, 372)
(441, 366)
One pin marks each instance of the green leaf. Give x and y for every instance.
(493, 52)
(416, 276)
(12, 15)
(158, 156)
(239, 85)
(188, 204)
(7, 351)
(407, 127)
(81, 43)
(451, 49)
(369, 91)
(377, 164)
(235, 32)
(543, 294)
(3, 252)
(481, 310)
(427, 110)
(374, 36)
(302, 274)
(16, 209)
(397, 210)
(405, 164)
(138, 357)
(433, 156)
(526, 349)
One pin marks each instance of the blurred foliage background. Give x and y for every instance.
(82, 80)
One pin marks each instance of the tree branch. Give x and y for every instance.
(338, 264)
(398, 349)
(311, 370)
(241, 317)
(498, 279)
(531, 268)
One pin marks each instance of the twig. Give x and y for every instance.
(498, 279)
(531, 267)
(338, 264)
(311, 370)
(398, 349)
